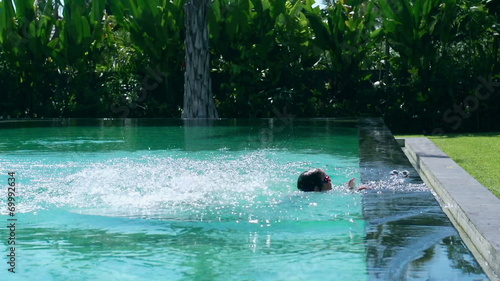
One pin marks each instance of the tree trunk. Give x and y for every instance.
(198, 99)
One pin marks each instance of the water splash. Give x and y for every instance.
(246, 186)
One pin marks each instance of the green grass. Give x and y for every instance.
(478, 154)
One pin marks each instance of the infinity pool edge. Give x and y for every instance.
(471, 207)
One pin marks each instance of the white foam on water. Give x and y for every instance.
(396, 185)
(256, 186)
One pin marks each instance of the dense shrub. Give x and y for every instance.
(425, 66)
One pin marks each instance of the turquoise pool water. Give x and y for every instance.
(162, 200)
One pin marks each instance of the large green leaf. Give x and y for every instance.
(7, 16)
(323, 37)
(24, 10)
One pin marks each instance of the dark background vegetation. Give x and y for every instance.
(425, 66)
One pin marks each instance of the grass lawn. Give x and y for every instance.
(478, 154)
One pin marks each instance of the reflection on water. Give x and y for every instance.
(408, 237)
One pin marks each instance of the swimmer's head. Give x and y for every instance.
(314, 180)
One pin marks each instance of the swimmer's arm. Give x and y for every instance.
(351, 185)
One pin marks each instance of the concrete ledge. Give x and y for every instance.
(401, 142)
(472, 208)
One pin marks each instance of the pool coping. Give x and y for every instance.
(471, 207)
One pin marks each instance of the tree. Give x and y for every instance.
(198, 99)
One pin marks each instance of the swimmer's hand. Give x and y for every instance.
(351, 185)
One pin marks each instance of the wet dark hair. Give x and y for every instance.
(308, 180)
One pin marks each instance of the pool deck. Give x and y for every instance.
(472, 208)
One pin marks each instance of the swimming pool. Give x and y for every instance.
(215, 200)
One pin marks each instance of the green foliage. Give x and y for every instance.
(23, 40)
(156, 31)
(437, 50)
(417, 63)
(51, 56)
(346, 32)
(261, 50)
